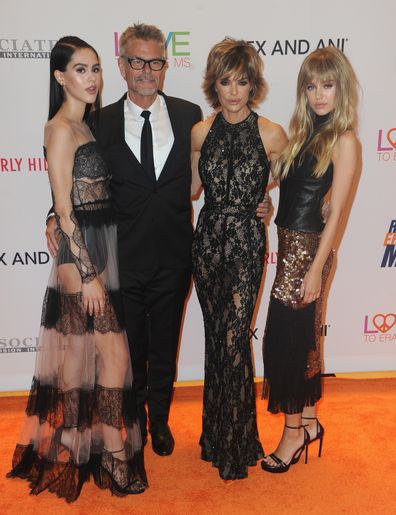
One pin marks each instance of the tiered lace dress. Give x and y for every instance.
(81, 414)
(228, 259)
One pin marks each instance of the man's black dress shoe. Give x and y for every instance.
(161, 439)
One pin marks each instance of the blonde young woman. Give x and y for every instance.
(319, 160)
(232, 155)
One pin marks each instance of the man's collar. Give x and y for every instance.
(136, 110)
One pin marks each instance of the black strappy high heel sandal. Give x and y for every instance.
(281, 466)
(319, 433)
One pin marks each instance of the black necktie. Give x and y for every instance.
(146, 146)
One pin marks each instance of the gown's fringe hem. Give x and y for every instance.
(66, 479)
(290, 403)
(292, 381)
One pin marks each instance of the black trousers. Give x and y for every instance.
(153, 303)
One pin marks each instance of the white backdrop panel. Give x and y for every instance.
(360, 323)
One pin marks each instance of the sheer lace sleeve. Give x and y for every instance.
(71, 232)
(60, 153)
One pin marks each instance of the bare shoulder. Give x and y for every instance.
(273, 137)
(347, 144)
(59, 130)
(271, 130)
(200, 131)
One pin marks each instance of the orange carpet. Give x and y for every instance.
(355, 475)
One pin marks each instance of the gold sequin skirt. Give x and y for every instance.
(292, 339)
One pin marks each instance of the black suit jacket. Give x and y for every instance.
(153, 217)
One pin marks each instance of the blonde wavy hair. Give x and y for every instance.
(321, 65)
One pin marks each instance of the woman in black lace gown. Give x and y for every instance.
(232, 154)
(80, 416)
(321, 155)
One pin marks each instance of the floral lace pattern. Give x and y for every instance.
(66, 313)
(65, 479)
(228, 259)
(76, 245)
(109, 405)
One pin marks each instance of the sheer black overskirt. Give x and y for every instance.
(81, 414)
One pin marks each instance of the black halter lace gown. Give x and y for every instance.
(292, 340)
(228, 257)
(81, 404)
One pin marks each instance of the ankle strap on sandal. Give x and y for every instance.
(114, 452)
(292, 427)
(309, 418)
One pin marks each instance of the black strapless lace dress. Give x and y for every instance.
(81, 404)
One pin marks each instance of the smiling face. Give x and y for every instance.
(321, 95)
(143, 84)
(233, 94)
(82, 78)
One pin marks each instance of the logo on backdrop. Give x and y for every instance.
(389, 258)
(22, 165)
(386, 144)
(324, 331)
(295, 46)
(271, 257)
(380, 327)
(26, 48)
(24, 258)
(15, 345)
(177, 45)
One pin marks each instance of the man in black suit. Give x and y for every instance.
(151, 198)
(153, 212)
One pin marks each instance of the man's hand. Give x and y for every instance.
(325, 211)
(264, 208)
(52, 235)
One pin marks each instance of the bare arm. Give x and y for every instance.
(52, 235)
(345, 158)
(274, 140)
(198, 135)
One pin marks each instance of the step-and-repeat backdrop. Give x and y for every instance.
(360, 324)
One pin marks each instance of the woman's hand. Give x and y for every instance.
(52, 235)
(93, 295)
(311, 286)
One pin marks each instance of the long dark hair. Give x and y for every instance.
(59, 59)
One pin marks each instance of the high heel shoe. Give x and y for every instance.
(281, 466)
(120, 479)
(319, 433)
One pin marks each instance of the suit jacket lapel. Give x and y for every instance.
(119, 128)
(175, 123)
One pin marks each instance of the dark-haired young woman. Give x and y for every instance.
(80, 416)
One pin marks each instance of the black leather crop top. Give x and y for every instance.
(301, 194)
